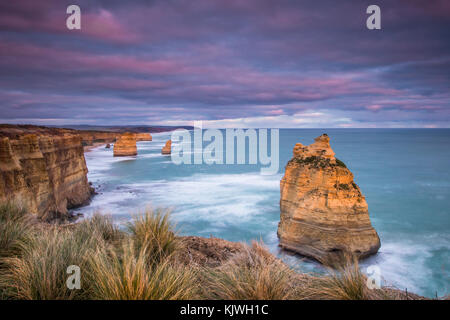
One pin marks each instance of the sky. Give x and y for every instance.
(228, 63)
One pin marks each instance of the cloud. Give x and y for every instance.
(235, 61)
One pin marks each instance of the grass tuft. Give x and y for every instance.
(15, 229)
(152, 232)
(101, 225)
(254, 274)
(344, 282)
(40, 273)
(127, 275)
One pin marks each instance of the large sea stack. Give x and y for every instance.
(125, 145)
(323, 212)
(43, 169)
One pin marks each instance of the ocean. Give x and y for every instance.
(403, 173)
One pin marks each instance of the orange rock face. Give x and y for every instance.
(323, 212)
(45, 170)
(167, 149)
(90, 137)
(143, 137)
(125, 145)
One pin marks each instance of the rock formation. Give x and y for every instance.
(143, 137)
(125, 145)
(167, 149)
(90, 137)
(43, 169)
(323, 213)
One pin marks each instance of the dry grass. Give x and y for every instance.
(114, 265)
(127, 275)
(254, 274)
(152, 232)
(142, 264)
(40, 272)
(15, 230)
(99, 224)
(345, 281)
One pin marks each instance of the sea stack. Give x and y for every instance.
(143, 137)
(323, 214)
(167, 148)
(125, 145)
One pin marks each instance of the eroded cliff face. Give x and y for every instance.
(323, 212)
(43, 169)
(90, 137)
(143, 137)
(125, 145)
(167, 149)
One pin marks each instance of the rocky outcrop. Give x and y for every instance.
(125, 145)
(143, 137)
(167, 149)
(323, 212)
(90, 137)
(207, 252)
(44, 169)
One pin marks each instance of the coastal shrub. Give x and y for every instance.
(14, 235)
(100, 224)
(125, 274)
(153, 232)
(344, 282)
(40, 271)
(344, 186)
(12, 211)
(340, 163)
(15, 229)
(254, 274)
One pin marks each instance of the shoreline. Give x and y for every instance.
(93, 146)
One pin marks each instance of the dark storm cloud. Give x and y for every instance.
(163, 61)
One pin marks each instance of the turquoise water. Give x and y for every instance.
(403, 173)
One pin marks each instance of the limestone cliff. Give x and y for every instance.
(125, 145)
(323, 213)
(90, 137)
(167, 149)
(43, 168)
(143, 137)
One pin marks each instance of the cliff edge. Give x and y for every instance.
(323, 213)
(44, 169)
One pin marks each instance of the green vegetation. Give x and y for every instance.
(339, 163)
(314, 161)
(152, 232)
(253, 274)
(144, 262)
(318, 162)
(129, 274)
(344, 186)
(15, 229)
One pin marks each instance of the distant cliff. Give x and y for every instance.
(90, 137)
(44, 168)
(143, 136)
(323, 212)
